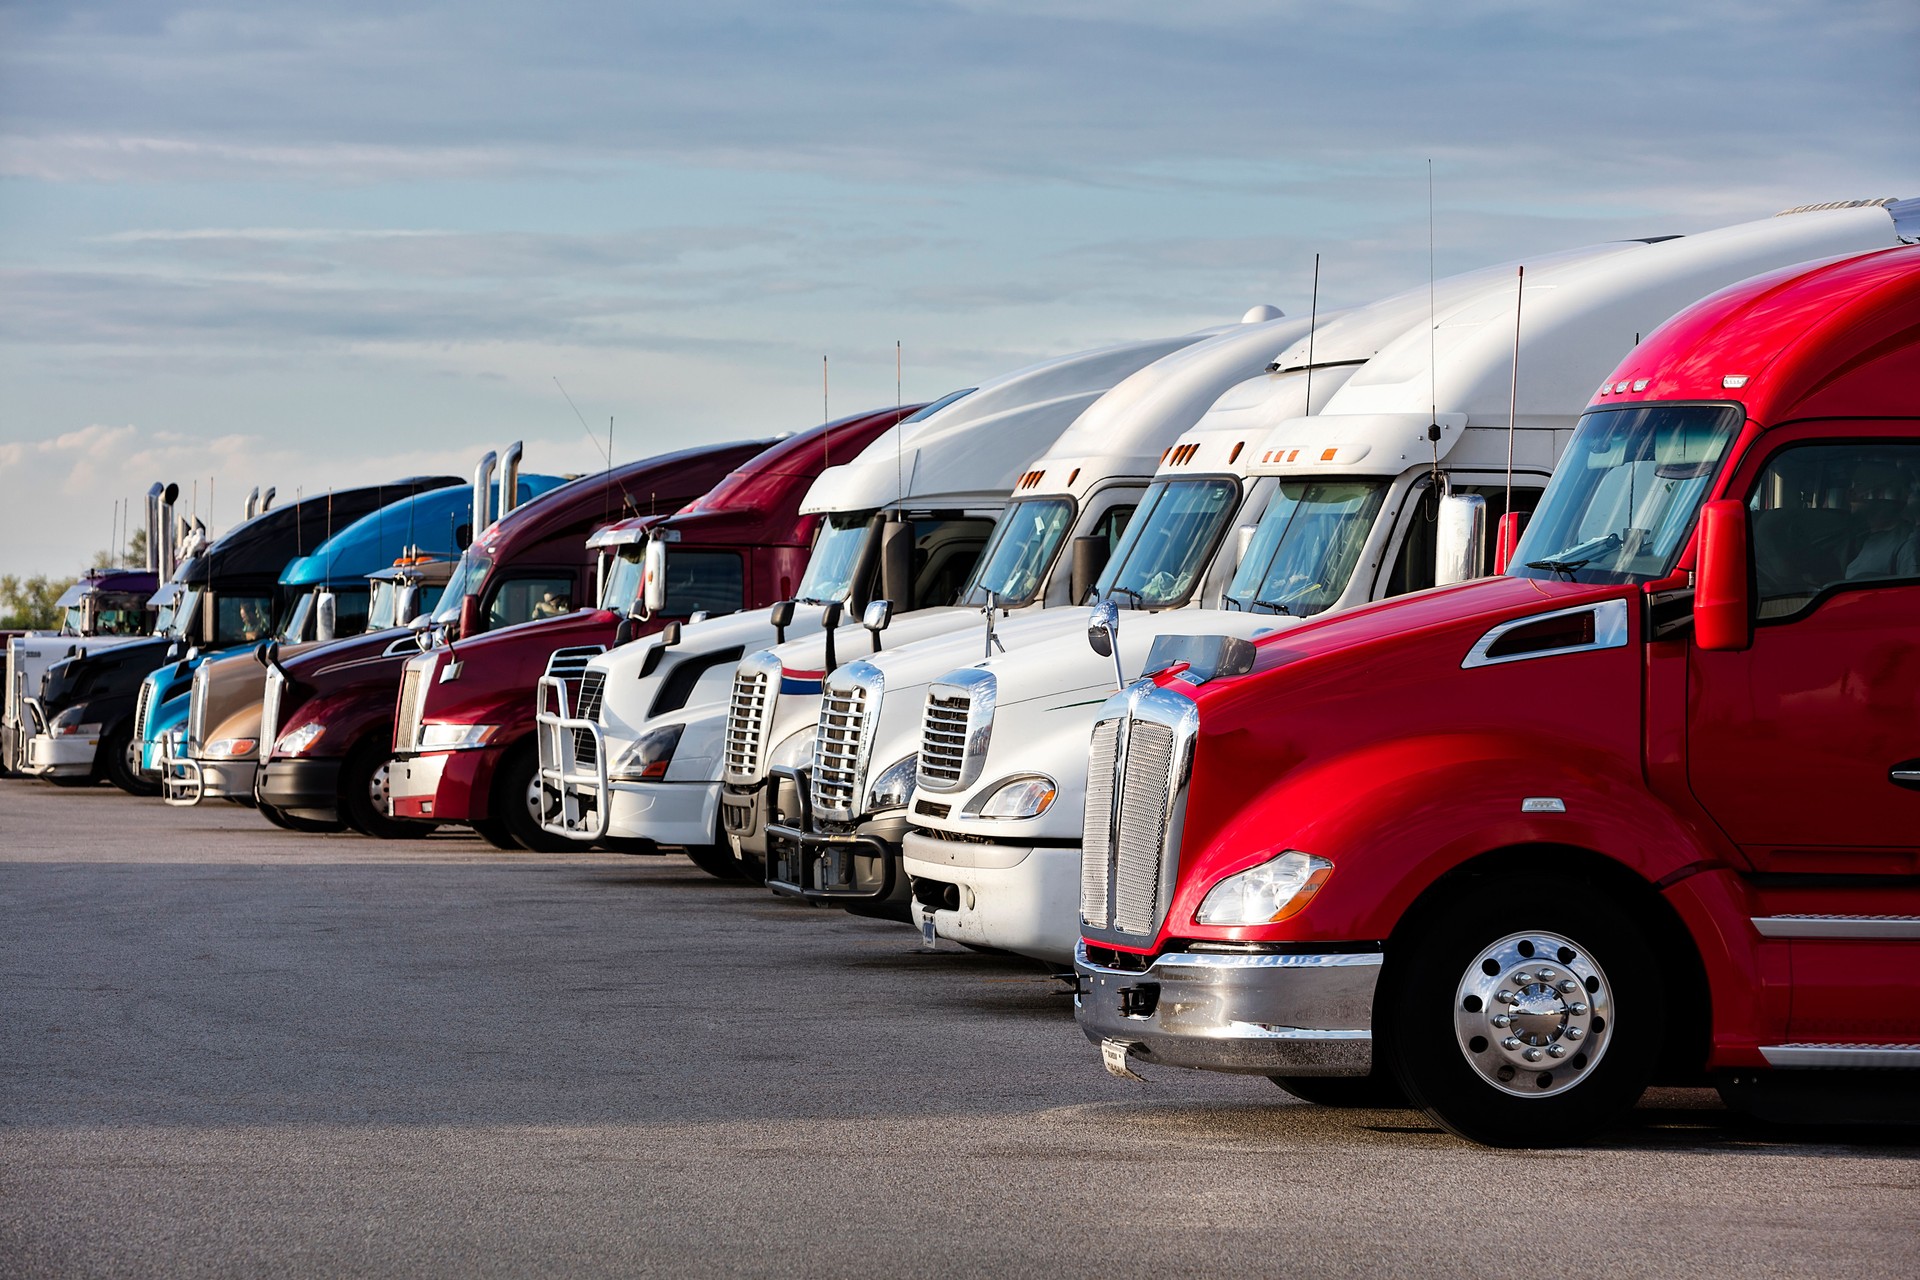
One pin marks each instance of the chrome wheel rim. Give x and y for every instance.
(534, 810)
(378, 789)
(1533, 1014)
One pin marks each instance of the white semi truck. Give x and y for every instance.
(1002, 785)
(639, 756)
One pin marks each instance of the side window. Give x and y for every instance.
(524, 599)
(944, 551)
(1829, 515)
(1111, 524)
(1413, 566)
(709, 580)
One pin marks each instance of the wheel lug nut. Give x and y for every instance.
(1505, 997)
(1502, 1020)
(1568, 986)
(1523, 977)
(1511, 1042)
(1546, 975)
(1577, 1009)
(1531, 1055)
(1556, 1051)
(1574, 1033)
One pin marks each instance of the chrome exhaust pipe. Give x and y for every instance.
(482, 483)
(266, 499)
(253, 502)
(510, 478)
(156, 528)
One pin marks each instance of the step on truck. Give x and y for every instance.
(465, 752)
(354, 582)
(1355, 513)
(1642, 809)
(903, 522)
(329, 713)
(225, 593)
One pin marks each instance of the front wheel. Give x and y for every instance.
(119, 757)
(1528, 1020)
(516, 803)
(363, 796)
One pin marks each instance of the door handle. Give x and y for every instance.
(1905, 774)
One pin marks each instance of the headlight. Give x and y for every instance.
(230, 748)
(296, 741)
(1274, 890)
(1027, 797)
(895, 783)
(647, 759)
(456, 737)
(72, 723)
(796, 752)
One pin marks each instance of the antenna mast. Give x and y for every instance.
(1433, 356)
(1513, 387)
(899, 436)
(1313, 322)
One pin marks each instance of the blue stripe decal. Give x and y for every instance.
(790, 685)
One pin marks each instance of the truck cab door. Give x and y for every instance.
(1805, 747)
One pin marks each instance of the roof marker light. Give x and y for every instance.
(1620, 385)
(1640, 384)
(1734, 381)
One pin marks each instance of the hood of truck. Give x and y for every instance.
(506, 665)
(234, 687)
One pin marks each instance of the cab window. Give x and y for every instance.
(710, 581)
(1830, 516)
(529, 598)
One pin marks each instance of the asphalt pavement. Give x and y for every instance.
(227, 1049)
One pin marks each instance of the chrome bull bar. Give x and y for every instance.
(180, 780)
(580, 789)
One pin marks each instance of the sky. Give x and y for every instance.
(314, 245)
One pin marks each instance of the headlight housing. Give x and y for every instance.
(455, 737)
(647, 759)
(1026, 796)
(295, 742)
(230, 748)
(1267, 892)
(72, 722)
(796, 752)
(895, 783)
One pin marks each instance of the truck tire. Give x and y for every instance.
(495, 833)
(716, 860)
(516, 799)
(363, 795)
(287, 822)
(1526, 1019)
(1378, 1091)
(118, 761)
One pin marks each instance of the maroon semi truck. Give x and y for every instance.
(328, 714)
(463, 748)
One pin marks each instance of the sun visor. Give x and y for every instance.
(1356, 443)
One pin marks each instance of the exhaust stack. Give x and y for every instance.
(156, 527)
(266, 499)
(169, 548)
(510, 478)
(482, 479)
(253, 502)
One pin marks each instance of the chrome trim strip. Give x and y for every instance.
(1609, 632)
(979, 688)
(1905, 1057)
(1837, 926)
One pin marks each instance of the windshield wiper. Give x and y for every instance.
(1558, 566)
(1274, 605)
(1579, 555)
(1135, 596)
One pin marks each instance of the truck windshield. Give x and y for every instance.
(1306, 546)
(466, 580)
(1623, 499)
(293, 630)
(835, 553)
(1022, 549)
(176, 615)
(382, 593)
(1168, 542)
(622, 592)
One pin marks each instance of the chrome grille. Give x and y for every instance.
(943, 740)
(840, 747)
(270, 710)
(406, 720)
(593, 688)
(755, 688)
(571, 663)
(140, 709)
(1096, 843)
(197, 696)
(1138, 765)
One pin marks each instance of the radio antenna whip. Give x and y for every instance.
(1513, 387)
(583, 421)
(1433, 356)
(899, 436)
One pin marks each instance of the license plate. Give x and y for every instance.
(927, 934)
(1113, 1055)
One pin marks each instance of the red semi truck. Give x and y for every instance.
(463, 745)
(1646, 807)
(328, 713)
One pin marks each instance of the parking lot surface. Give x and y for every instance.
(227, 1049)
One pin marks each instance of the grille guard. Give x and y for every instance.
(560, 768)
(181, 783)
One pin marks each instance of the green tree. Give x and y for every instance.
(29, 603)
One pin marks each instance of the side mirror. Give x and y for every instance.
(326, 616)
(1512, 525)
(896, 561)
(1722, 578)
(406, 604)
(781, 616)
(209, 617)
(420, 623)
(1460, 541)
(623, 634)
(875, 618)
(830, 619)
(670, 635)
(1103, 637)
(653, 591)
(698, 615)
(1089, 558)
(462, 536)
(263, 654)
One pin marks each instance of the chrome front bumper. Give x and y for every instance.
(187, 780)
(1259, 1013)
(59, 756)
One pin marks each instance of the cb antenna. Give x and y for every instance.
(899, 436)
(1513, 386)
(1313, 322)
(583, 423)
(1433, 356)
